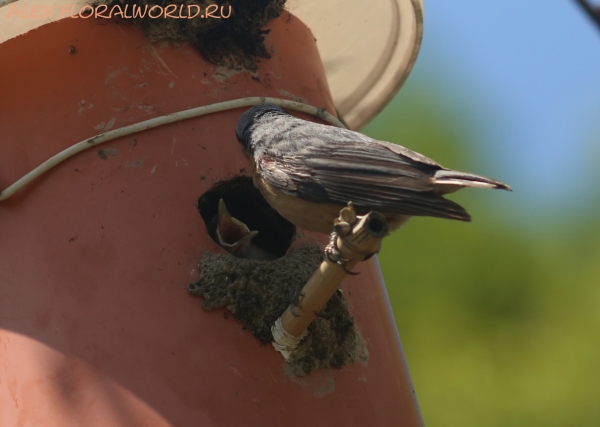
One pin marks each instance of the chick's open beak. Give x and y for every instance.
(232, 234)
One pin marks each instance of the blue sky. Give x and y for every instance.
(529, 71)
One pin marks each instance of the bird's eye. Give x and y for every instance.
(246, 205)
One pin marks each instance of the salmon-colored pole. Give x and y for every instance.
(96, 325)
(355, 238)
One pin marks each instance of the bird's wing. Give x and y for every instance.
(336, 166)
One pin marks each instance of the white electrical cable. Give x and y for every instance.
(159, 121)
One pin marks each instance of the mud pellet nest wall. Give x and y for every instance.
(258, 292)
(228, 33)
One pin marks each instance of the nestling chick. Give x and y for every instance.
(236, 238)
(232, 235)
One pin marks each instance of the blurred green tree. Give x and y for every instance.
(499, 318)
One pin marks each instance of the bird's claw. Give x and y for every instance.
(332, 253)
(295, 297)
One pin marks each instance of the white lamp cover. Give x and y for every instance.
(367, 48)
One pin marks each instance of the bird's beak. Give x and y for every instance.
(232, 234)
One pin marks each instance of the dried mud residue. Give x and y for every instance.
(258, 292)
(234, 40)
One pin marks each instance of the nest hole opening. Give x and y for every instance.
(245, 203)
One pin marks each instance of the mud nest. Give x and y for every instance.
(258, 292)
(234, 40)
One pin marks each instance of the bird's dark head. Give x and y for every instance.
(256, 114)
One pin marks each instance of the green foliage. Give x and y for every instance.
(500, 322)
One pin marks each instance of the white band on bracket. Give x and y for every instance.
(283, 342)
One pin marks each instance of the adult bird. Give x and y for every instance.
(308, 172)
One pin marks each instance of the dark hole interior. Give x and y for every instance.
(377, 225)
(245, 203)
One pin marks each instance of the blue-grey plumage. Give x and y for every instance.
(309, 171)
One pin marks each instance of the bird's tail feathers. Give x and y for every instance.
(462, 179)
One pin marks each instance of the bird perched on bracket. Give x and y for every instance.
(308, 172)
